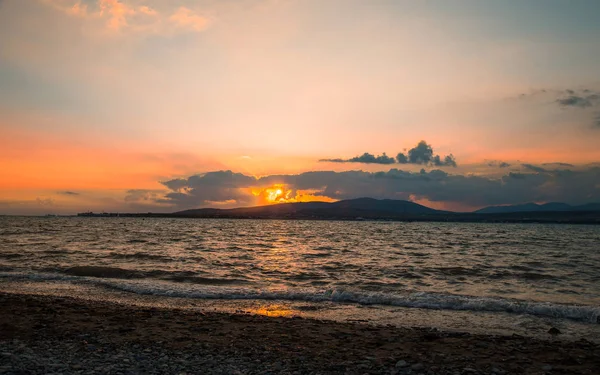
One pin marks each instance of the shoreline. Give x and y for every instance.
(457, 218)
(249, 343)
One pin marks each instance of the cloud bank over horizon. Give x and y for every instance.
(532, 184)
(435, 188)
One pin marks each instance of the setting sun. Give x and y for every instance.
(280, 193)
(276, 194)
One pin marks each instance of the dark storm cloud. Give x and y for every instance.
(68, 193)
(535, 185)
(596, 122)
(421, 154)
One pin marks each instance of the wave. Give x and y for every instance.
(436, 301)
(140, 255)
(104, 272)
(121, 273)
(207, 280)
(136, 240)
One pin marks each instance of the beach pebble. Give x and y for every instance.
(554, 331)
(417, 367)
(401, 363)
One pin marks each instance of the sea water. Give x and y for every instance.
(519, 278)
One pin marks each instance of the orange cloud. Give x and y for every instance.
(118, 15)
(77, 10)
(147, 10)
(185, 17)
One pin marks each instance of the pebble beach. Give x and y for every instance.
(67, 335)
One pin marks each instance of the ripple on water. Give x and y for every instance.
(478, 260)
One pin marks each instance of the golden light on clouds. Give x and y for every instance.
(281, 193)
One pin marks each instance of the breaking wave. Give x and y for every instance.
(211, 288)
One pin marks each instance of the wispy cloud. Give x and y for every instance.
(584, 99)
(559, 164)
(498, 163)
(71, 193)
(186, 18)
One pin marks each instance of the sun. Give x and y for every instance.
(281, 193)
(276, 194)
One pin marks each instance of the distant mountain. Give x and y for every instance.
(351, 208)
(533, 207)
(388, 209)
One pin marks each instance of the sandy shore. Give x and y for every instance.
(41, 334)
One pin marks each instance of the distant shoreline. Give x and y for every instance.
(363, 209)
(587, 218)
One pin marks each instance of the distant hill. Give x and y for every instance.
(351, 208)
(388, 209)
(533, 207)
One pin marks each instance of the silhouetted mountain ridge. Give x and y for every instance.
(389, 209)
(360, 207)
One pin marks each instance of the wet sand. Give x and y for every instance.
(44, 334)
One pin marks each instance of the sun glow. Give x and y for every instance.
(275, 194)
(280, 193)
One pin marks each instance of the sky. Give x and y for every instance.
(155, 105)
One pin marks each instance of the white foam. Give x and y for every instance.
(438, 301)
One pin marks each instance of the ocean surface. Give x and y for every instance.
(507, 277)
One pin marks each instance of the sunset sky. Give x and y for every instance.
(156, 105)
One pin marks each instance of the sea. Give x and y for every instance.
(502, 279)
